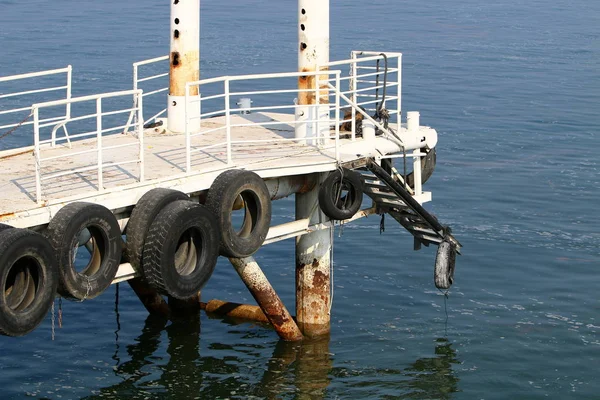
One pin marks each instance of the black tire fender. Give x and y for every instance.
(4, 226)
(144, 212)
(222, 196)
(28, 279)
(181, 251)
(64, 231)
(340, 194)
(445, 261)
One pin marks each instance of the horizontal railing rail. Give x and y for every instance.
(20, 111)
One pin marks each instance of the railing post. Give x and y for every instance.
(140, 129)
(188, 140)
(228, 118)
(399, 89)
(317, 114)
(69, 80)
(337, 116)
(36, 150)
(99, 141)
(135, 99)
(353, 85)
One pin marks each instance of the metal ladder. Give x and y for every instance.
(392, 197)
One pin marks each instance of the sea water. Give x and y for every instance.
(512, 88)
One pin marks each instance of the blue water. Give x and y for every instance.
(513, 89)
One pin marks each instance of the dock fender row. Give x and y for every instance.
(181, 249)
(223, 198)
(65, 232)
(445, 261)
(144, 212)
(341, 194)
(28, 279)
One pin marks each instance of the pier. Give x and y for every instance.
(155, 197)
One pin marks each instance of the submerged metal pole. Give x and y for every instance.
(313, 249)
(313, 261)
(184, 63)
(267, 298)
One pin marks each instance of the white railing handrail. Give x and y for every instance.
(150, 61)
(86, 98)
(98, 132)
(35, 74)
(226, 95)
(68, 70)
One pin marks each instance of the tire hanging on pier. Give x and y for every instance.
(4, 227)
(341, 193)
(445, 261)
(94, 228)
(222, 197)
(181, 250)
(144, 212)
(28, 280)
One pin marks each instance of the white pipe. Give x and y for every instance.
(184, 63)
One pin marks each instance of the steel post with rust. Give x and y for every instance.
(313, 249)
(267, 298)
(184, 64)
(313, 53)
(313, 261)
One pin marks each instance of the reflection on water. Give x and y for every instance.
(293, 370)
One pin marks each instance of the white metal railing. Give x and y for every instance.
(365, 77)
(137, 81)
(315, 118)
(67, 71)
(97, 134)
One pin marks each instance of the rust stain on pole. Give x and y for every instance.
(267, 298)
(312, 298)
(184, 68)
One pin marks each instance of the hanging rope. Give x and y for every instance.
(15, 127)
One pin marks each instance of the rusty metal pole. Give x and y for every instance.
(312, 250)
(313, 53)
(267, 298)
(184, 65)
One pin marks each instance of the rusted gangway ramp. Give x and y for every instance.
(102, 193)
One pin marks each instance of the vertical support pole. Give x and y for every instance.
(337, 116)
(354, 96)
(36, 150)
(184, 61)
(313, 51)
(68, 106)
(228, 121)
(313, 249)
(417, 172)
(99, 141)
(267, 298)
(140, 131)
(399, 92)
(188, 138)
(313, 258)
(152, 301)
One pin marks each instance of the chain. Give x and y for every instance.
(53, 319)
(60, 314)
(15, 127)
